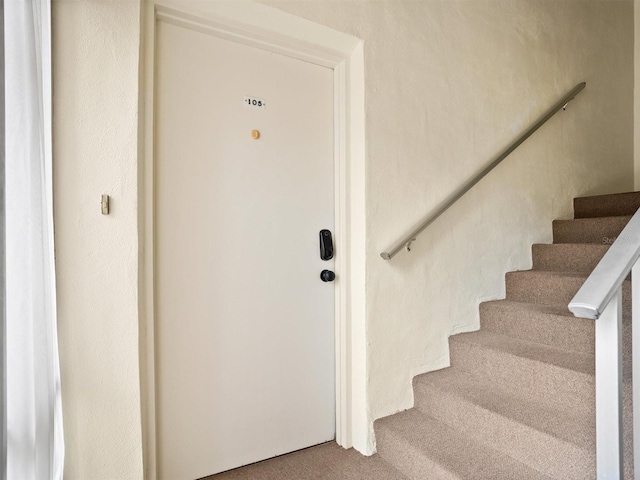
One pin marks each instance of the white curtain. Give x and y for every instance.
(35, 448)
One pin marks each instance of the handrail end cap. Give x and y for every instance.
(581, 310)
(386, 255)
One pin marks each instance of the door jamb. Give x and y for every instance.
(275, 31)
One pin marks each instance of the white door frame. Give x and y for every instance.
(267, 28)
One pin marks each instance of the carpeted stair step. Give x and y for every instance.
(553, 288)
(546, 324)
(546, 288)
(423, 448)
(606, 205)
(567, 257)
(601, 231)
(541, 372)
(555, 442)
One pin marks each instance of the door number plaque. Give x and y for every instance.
(254, 102)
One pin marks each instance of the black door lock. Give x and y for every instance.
(326, 245)
(327, 276)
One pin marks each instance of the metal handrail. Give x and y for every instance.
(408, 239)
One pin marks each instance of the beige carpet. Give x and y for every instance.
(324, 462)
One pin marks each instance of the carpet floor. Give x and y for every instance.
(328, 461)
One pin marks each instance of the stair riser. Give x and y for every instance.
(600, 231)
(537, 449)
(572, 390)
(577, 334)
(541, 289)
(554, 330)
(570, 258)
(553, 290)
(606, 205)
(408, 460)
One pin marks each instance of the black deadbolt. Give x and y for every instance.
(327, 276)
(326, 245)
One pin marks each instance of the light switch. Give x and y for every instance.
(105, 204)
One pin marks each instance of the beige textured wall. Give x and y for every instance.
(448, 85)
(95, 58)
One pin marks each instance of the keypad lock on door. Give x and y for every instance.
(326, 245)
(326, 253)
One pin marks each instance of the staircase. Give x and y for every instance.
(518, 401)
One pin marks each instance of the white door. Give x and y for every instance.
(244, 323)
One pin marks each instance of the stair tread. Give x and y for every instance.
(516, 307)
(443, 445)
(576, 429)
(549, 274)
(570, 360)
(578, 246)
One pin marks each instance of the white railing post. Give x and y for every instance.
(635, 356)
(602, 292)
(609, 390)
